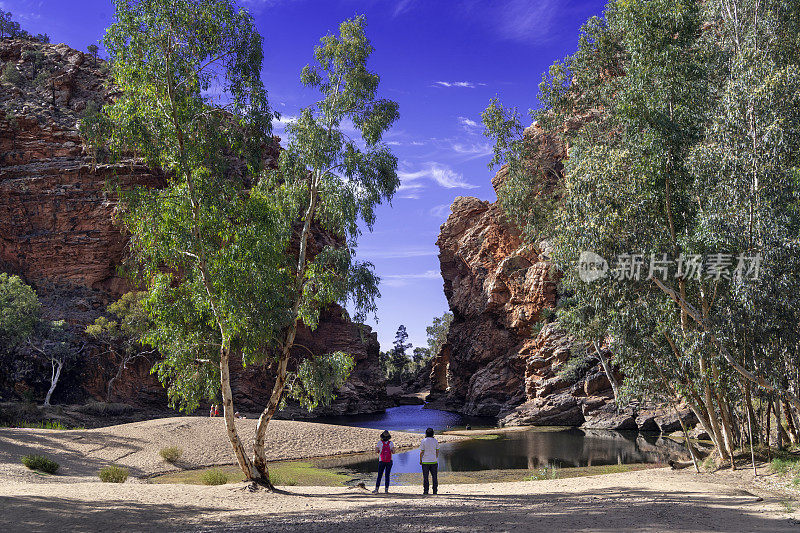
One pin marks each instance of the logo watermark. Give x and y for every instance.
(637, 267)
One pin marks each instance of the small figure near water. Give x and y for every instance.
(385, 449)
(429, 460)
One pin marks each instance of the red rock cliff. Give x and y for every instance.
(56, 229)
(504, 357)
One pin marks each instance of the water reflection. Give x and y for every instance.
(411, 418)
(529, 449)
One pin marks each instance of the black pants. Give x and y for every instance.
(433, 469)
(387, 466)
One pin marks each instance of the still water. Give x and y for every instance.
(528, 449)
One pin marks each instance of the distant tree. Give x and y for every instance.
(123, 336)
(19, 310)
(93, 49)
(420, 355)
(42, 38)
(399, 360)
(22, 328)
(437, 332)
(51, 342)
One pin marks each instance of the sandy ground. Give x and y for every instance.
(648, 500)
(81, 453)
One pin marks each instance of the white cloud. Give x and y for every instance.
(402, 6)
(396, 253)
(440, 211)
(472, 150)
(526, 21)
(401, 280)
(468, 123)
(442, 175)
(463, 84)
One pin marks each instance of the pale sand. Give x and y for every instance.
(647, 500)
(81, 453)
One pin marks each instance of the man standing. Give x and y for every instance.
(429, 459)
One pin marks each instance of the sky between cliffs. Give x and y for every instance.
(441, 60)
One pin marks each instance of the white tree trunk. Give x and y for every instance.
(57, 365)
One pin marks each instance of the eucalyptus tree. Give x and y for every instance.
(685, 147)
(335, 169)
(209, 247)
(214, 247)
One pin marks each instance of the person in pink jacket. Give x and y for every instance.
(385, 449)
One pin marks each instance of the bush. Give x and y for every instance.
(171, 454)
(12, 75)
(214, 477)
(576, 367)
(40, 463)
(113, 474)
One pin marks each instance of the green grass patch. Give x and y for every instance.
(40, 463)
(492, 436)
(782, 465)
(113, 474)
(215, 476)
(46, 424)
(281, 474)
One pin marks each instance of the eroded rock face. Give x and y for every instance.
(503, 356)
(57, 231)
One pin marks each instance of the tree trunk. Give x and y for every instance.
(755, 431)
(783, 439)
(719, 440)
(609, 373)
(768, 422)
(792, 428)
(57, 365)
(230, 420)
(259, 452)
(686, 436)
(749, 408)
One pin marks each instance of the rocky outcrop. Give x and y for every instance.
(504, 357)
(57, 230)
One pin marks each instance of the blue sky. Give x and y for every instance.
(441, 60)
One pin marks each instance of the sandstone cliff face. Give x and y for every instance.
(504, 356)
(57, 232)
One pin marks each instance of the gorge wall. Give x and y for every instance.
(57, 233)
(505, 356)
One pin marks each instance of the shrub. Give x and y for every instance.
(171, 454)
(12, 75)
(214, 477)
(113, 474)
(576, 367)
(40, 463)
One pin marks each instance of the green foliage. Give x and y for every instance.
(94, 128)
(214, 477)
(685, 142)
(576, 366)
(171, 453)
(93, 49)
(398, 361)
(319, 378)
(113, 474)
(40, 463)
(12, 75)
(437, 332)
(223, 226)
(19, 310)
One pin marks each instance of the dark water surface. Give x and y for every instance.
(529, 449)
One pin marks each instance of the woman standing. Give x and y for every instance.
(385, 449)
